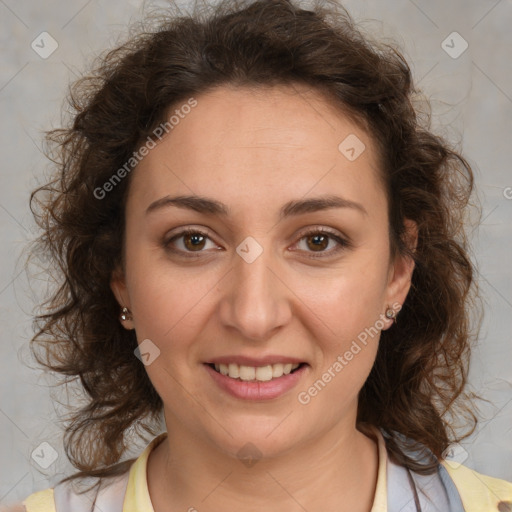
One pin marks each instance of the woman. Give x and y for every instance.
(260, 241)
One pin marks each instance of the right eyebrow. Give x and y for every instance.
(196, 203)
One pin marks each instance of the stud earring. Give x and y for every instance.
(126, 314)
(391, 314)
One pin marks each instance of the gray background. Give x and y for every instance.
(472, 104)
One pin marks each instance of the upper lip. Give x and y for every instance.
(255, 361)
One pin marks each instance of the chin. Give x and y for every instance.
(252, 437)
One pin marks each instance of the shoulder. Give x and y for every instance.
(479, 492)
(108, 496)
(18, 507)
(463, 486)
(40, 501)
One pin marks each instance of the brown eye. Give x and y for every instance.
(318, 242)
(187, 241)
(194, 241)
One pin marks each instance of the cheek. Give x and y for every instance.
(167, 301)
(350, 311)
(354, 319)
(348, 300)
(165, 304)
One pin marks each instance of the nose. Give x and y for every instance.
(256, 300)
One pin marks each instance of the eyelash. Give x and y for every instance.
(342, 243)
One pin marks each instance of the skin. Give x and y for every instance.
(255, 150)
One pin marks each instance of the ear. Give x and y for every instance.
(401, 270)
(120, 291)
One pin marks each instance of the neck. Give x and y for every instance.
(338, 470)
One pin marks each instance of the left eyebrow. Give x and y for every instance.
(296, 207)
(301, 206)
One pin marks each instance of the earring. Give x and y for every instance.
(126, 314)
(391, 314)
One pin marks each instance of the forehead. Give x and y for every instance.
(258, 146)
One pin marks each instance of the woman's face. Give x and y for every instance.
(268, 274)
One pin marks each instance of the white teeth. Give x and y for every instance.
(277, 370)
(247, 372)
(234, 371)
(264, 373)
(260, 373)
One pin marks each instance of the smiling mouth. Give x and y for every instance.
(256, 373)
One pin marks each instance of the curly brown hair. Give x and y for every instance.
(420, 371)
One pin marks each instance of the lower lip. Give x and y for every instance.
(251, 390)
